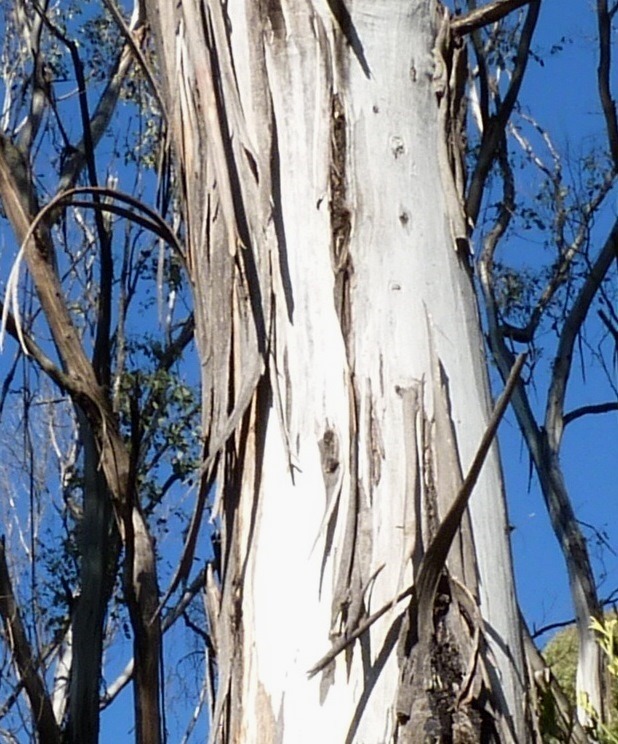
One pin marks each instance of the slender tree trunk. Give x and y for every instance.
(318, 151)
(99, 551)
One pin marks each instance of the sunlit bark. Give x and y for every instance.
(343, 374)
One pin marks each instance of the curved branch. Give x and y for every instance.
(155, 223)
(554, 421)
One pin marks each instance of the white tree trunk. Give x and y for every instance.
(326, 245)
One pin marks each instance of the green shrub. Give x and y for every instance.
(561, 656)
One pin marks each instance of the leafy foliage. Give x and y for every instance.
(561, 656)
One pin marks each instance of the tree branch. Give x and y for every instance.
(545, 458)
(497, 123)
(128, 32)
(123, 679)
(603, 78)
(483, 16)
(585, 410)
(43, 714)
(608, 324)
(554, 422)
(63, 381)
(93, 127)
(28, 130)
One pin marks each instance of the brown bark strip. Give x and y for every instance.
(43, 714)
(340, 216)
(449, 83)
(449, 475)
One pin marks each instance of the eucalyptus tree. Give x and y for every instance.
(319, 149)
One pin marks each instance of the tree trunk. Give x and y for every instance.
(318, 150)
(99, 546)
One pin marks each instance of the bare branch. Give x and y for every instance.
(93, 128)
(554, 421)
(483, 16)
(63, 381)
(497, 123)
(609, 325)
(43, 714)
(592, 408)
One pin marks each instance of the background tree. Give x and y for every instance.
(124, 427)
(546, 303)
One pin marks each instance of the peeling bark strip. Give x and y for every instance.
(340, 215)
(328, 447)
(449, 80)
